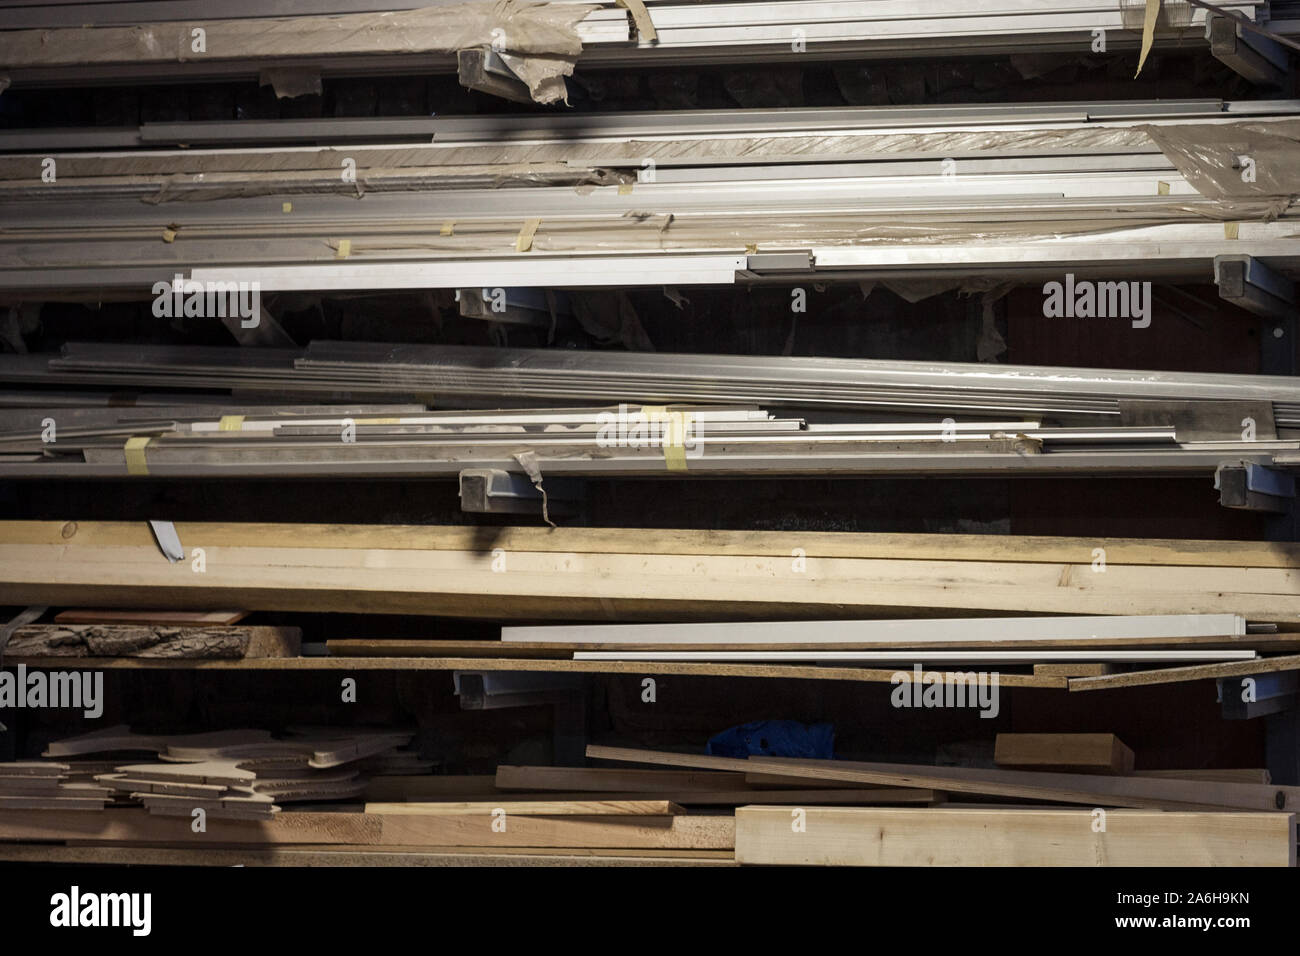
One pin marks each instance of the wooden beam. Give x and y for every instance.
(815, 544)
(853, 836)
(271, 569)
(1083, 753)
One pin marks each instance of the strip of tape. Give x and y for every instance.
(1148, 33)
(524, 241)
(1162, 188)
(448, 228)
(677, 425)
(344, 250)
(231, 423)
(136, 464)
(645, 27)
(1231, 230)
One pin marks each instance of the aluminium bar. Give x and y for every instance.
(1171, 627)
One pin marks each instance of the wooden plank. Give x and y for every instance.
(852, 836)
(1245, 775)
(690, 669)
(817, 544)
(171, 618)
(981, 659)
(1083, 753)
(357, 856)
(383, 788)
(614, 779)
(1178, 675)
(534, 808)
(1091, 789)
(131, 825)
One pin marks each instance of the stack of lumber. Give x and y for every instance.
(240, 774)
(43, 785)
(1042, 818)
(640, 574)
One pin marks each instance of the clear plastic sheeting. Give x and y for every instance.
(508, 26)
(1236, 161)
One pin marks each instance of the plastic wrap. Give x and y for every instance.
(1236, 160)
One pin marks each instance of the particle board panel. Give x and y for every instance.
(535, 808)
(852, 836)
(687, 669)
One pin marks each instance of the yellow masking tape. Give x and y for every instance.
(1162, 188)
(344, 250)
(1148, 33)
(1231, 230)
(524, 241)
(645, 28)
(231, 423)
(677, 424)
(448, 228)
(135, 460)
(379, 421)
(625, 189)
(169, 234)
(286, 207)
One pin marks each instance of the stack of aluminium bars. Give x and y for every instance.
(450, 374)
(615, 442)
(940, 192)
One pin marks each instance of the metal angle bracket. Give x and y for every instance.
(1270, 694)
(493, 491)
(1249, 487)
(1257, 58)
(484, 70)
(1246, 282)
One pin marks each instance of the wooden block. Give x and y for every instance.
(173, 618)
(851, 836)
(535, 808)
(1083, 753)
